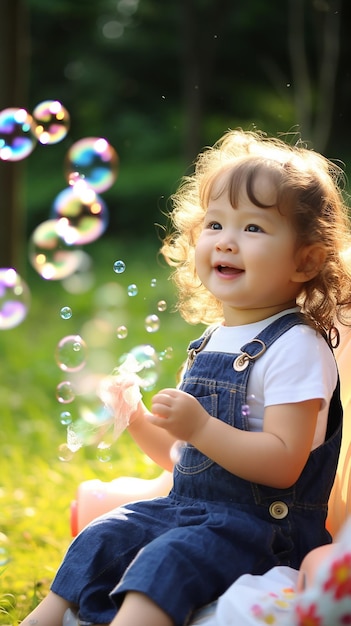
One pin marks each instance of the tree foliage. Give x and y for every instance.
(160, 81)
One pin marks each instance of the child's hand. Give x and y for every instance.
(179, 413)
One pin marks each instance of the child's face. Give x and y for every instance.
(247, 257)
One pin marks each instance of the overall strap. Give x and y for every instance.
(257, 346)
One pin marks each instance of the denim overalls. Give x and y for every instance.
(184, 550)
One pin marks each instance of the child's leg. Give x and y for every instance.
(49, 612)
(138, 610)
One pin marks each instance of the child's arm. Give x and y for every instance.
(121, 394)
(274, 457)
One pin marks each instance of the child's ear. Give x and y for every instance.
(310, 259)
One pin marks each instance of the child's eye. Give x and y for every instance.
(253, 228)
(214, 226)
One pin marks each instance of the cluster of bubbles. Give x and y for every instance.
(20, 130)
(78, 214)
(88, 419)
(14, 298)
(152, 321)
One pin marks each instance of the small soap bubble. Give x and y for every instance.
(65, 392)
(166, 354)
(119, 267)
(122, 332)
(132, 290)
(17, 139)
(162, 306)
(65, 418)
(71, 353)
(104, 452)
(66, 313)
(82, 213)
(245, 410)
(153, 282)
(52, 122)
(94, 160)
(64, 453)
(152, 323)
(14, 299)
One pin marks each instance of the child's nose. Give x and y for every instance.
(226, 243)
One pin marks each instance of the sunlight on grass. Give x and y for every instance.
(36, 488)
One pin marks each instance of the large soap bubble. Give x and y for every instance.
(144, 362)
(14, 299)
(17, 138)
(49, 252)
(71, 353)
(52, 121)
(85, 211)
(94, 160)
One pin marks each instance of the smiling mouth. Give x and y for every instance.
(228, 271)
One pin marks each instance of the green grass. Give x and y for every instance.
(36, 488)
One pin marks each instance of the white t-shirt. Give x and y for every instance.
(298, 366)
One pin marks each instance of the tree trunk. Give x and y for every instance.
(314, 95)
(14, 54)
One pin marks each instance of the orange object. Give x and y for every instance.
(340, 497)
(95, 497)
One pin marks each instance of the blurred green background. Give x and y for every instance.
(158, 80)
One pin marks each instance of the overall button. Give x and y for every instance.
(278, 510)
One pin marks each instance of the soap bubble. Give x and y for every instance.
(166, 354)
(64, 453)
(94, 160)
(14, 299)
(119, 267)
(152, 323)
(143, 361)
(49, 253)
(71, 353)
(65, 418)
(162, 306)
(65, 392)
(245, 410)
(84, 212)
(66, 313)
(52, 122)
(104, 452)
(122, 332)
(132, 290)
(94, 413)
(17, 138)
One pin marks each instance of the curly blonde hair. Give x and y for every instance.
(309, 191)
